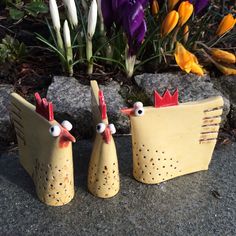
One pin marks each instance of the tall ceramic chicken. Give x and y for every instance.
(103, 174)
(171, 139)
(45, 148)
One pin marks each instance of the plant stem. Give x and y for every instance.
(80, 43)
(129, 63)
(89, 54)
(174, 39)
(69, 59)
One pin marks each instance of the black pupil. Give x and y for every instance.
(98, 127)
(140, 112)
(52, 129)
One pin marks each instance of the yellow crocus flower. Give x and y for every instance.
(154, 7)
(186, 60)
(186, 33)
(226, 24)
(225, 69)
(224, 56)
(185, 10)
(169, 23)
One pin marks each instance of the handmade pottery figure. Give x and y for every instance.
(171, 139)
(103, 174)
(45, 148)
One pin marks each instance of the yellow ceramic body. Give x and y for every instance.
(103, 173)
(173, 141)
(50, 166)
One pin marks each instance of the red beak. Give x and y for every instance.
(127, 111)
(66, 136)
(107, 135)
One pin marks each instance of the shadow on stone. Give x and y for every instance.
(12, 170)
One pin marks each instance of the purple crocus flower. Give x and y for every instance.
(134, 25)
(128, 14)
(199, 5)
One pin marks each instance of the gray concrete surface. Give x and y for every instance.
(183, 206)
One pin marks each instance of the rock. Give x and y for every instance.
(227, 85)
(71, 101)
(114, 103)
(7, 133)
(191, 87)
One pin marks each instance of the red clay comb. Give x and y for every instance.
(102, 105)
(166, 100)
(44, 108)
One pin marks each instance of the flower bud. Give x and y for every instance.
(171, 4)
(154, 7)
(226, 70)
(186, 33)
(71, 12)
(54, 14)
(224, 56)
(169, 23)
(92, 19)
(226, 24)
(66, 34)
(185, 10)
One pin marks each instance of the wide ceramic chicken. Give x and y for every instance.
(171, 139)
(45, 148)
(103, 174)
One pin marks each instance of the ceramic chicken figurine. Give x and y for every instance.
(171, 139)
(45, 148)
(103, 174)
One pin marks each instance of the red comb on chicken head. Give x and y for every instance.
(105, 130)
(159, 101)
(45, 109)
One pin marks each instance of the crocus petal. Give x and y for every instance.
(171, 4)
(185, 10)
(197, 69)
(226, 24)
(225, 69)
(183, 57)
(200, 5)
(154, 5)
(186, 33)
(106, 7)
(54, 14)
(92, 18)
(136, 42)
(141, 31)
(66, 34)
(224, 56)
(134, 18)
(118, 9)
(72, 12)
(169, 22)
(186, 60)
(135, 26)
(144, 3)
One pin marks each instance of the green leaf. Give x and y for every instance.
(16, 14)
(35, 8)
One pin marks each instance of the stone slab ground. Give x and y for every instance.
(182, 206)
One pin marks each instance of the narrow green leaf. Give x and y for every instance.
(16, 14)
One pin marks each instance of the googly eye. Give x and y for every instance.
(55, 130)
(139, 111)
(100, 128)
(67, 125)
(138, 105)
(112, 129)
